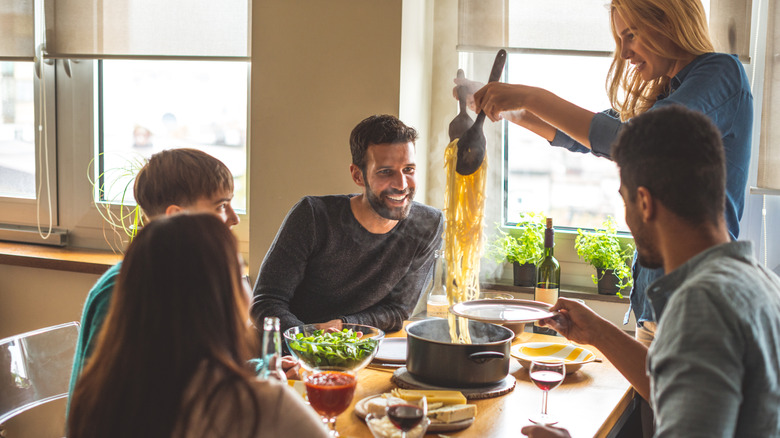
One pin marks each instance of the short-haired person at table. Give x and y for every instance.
(361, 258)
(663, 56)
(172, 181)
(171, 360)
(713, 369)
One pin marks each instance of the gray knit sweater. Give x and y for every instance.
(324, 265)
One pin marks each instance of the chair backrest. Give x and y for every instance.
(35, 368)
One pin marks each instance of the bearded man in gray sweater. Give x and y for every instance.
(361, 258)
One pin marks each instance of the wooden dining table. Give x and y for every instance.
(591, 402)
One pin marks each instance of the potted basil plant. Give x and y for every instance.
(522, 247)
(602, 249)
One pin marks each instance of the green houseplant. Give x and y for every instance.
(602, 249)
(522, 247)
(121, 214)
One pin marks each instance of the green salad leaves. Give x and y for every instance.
(333, 349)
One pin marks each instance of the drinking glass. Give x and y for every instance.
(407, 416)
(330, 391)
(547, 375)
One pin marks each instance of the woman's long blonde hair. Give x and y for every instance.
(683, 22)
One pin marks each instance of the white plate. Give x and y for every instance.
(391, 350)
(572, 355)
(502, 311)
(361, 412)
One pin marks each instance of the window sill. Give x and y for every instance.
(87, 261)
(575, 293)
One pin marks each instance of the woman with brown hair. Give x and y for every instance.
(663, 57)
(171, 360)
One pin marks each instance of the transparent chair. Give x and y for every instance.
(35, 368)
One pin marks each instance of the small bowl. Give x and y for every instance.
(381, 427)
(351, 356)
(517, 327)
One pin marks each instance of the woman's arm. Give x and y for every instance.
(548, 111)
(531, 122)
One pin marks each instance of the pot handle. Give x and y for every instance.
(484, 356)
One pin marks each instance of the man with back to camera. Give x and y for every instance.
(713, 369)
(361, 259)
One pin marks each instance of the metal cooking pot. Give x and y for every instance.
(431, 357)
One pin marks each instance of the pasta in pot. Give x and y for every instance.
(464, 211)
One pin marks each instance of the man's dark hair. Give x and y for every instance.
(677, 155)
(377, 129)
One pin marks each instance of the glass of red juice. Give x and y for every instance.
(330, 392)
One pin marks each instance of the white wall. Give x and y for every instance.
(35, 298)
(318, 68)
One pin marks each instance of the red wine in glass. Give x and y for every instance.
(546, 375)
(546, 380)
(405, 417)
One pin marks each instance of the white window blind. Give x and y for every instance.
(17, 30)
(147, 29)
(577, 25)
(769, 148)
(729, 22)
(529, 25)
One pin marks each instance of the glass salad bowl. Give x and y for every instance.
(351, 348)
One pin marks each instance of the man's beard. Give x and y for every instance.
(382, 209)
(647, 254)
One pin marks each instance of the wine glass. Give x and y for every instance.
(547, 375)
(330, 391)
(407, 416)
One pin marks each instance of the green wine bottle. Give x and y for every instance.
(548, 277)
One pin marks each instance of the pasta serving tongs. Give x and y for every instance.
(471, 146)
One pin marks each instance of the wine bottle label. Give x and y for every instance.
(549, 296)
(438, 307)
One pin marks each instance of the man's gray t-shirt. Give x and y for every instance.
(714, 365)
(324, 265)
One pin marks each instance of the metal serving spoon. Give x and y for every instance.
(471, 146)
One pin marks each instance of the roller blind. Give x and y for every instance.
(147, 29)
(577, 25)
(17, 30)
(730, 27)
(769, 147)
(531, 25)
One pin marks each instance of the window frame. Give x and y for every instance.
(77, 145)
(19, 211)
(71, 91)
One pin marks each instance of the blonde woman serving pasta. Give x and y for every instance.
(663, 56)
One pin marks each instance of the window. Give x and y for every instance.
(17, 131)
(566, 47)
(148, 106)
(120, 82)
(577, 190)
